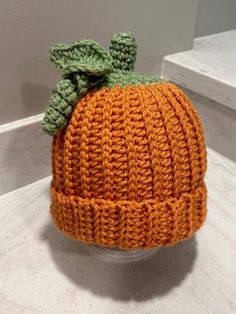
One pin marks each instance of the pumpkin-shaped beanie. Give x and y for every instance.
(128, 152)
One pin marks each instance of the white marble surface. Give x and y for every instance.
(44, 272)
(24, 153)
(208, 69)
(219, 124)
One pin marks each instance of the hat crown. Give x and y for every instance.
(132, 143)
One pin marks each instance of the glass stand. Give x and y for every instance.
(118, 255)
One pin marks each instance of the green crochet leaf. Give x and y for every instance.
(85, 56)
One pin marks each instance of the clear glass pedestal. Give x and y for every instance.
(120, 256)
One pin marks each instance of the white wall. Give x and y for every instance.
(215, 16)
(29, 28)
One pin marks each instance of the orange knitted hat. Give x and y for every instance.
(128, 152)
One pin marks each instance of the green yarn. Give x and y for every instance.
(82, 84)
(67, 90)
(85, 56)
(62, 101)
(128, 78)
(59, 104)
(123, 51)
(85, 64)
(53, 119)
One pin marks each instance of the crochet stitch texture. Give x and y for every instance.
(128, 167)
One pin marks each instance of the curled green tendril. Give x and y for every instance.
(82, 65)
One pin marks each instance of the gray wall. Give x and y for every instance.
(28, 28)
(215, 16)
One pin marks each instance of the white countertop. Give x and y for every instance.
(44, 272)
(209, 69)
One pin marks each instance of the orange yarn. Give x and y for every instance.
(128, 170)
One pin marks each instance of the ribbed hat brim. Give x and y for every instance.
(129, 224)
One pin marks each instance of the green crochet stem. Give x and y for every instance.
(123, 51)
(86, 64)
